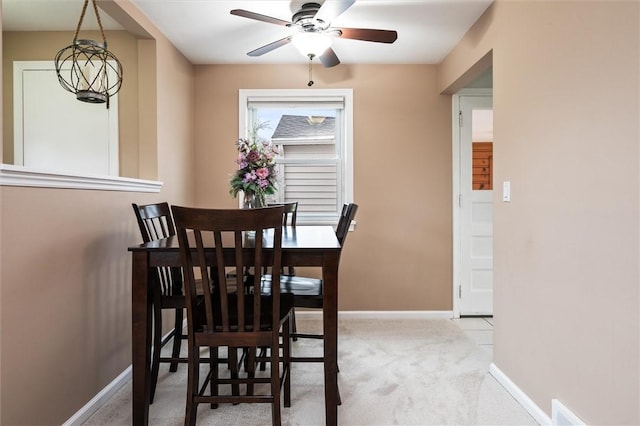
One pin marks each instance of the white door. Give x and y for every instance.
(475, 202)
(55, 132)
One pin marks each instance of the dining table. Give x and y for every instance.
(312, 246)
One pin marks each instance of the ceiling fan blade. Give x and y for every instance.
(330, 9)
(365, 34)
(269, 47)
(259, 17)
(329, 58)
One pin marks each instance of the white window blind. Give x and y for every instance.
(313, 134)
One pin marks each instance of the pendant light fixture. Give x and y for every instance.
(87, 69)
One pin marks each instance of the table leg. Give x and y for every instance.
(141, 337)
(330, 324)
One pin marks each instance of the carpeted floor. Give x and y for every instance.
(392, 372)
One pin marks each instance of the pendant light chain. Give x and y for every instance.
(84, 9)
(95, 10)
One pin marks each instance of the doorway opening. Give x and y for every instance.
(473, 185)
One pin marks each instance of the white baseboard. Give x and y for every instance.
(561, 415)
(527, 403)
(379, 314)
(105, 394)
(100, 399)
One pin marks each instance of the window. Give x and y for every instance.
(314, 134)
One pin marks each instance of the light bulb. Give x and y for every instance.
(311, 43)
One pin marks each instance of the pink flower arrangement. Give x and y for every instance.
(256, 174)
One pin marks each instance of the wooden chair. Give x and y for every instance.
(308, 291)
(155, 223)
(245, 319)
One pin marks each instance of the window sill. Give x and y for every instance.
(11, 175)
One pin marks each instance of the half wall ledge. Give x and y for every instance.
(11, 175)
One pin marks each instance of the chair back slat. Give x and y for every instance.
(199, 230)
(346, 217)
(289, 218)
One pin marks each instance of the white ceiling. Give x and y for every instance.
(50, 15)
(205, 32)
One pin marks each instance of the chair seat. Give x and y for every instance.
(175, 302)
(291, 284)
(286, 304)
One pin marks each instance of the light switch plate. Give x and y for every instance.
(506, 191)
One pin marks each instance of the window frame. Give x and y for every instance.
(311, 96)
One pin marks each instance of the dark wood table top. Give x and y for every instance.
(300, 237)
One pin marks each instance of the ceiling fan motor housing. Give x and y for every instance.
(304, 17)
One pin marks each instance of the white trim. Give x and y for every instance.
(475, 92)
(455, 194)
(11, 175)
(83, 414)
(561, 415)
(382, 315)
(527, 403)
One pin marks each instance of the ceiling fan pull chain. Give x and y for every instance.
(310, 83)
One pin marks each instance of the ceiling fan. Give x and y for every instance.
(314, 32)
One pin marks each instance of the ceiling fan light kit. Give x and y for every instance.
(311, 44)
(87, 69)
(315, 34)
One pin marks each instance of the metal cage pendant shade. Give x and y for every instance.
(87, 69)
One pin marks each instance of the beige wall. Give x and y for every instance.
(566, 247)
(399, 257)
(566, 128)
(42, 46)
(65, 285)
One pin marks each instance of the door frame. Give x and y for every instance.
(456, 190)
